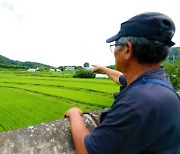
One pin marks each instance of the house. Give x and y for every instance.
(32, 69)
(69, 68)
(101, 76)
(55, 70)
(90, 68)
(52, 70)
(58, 70)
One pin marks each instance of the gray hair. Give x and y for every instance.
(137, 40)
(145, 50)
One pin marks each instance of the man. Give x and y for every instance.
(145, 116)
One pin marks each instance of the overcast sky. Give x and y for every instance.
(70, 32)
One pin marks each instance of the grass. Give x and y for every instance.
(32, 98)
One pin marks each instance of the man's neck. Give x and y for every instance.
(136, 70)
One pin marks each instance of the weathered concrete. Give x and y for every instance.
(54, 137)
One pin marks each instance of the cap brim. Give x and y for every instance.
(171, 43)
(113, 38)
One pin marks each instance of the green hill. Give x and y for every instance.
(8, 63)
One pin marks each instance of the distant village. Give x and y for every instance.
(70, 68)
(66, 68)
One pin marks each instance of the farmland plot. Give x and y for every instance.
(19, 109)
(28, 100)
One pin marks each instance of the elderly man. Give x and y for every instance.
(145, 116)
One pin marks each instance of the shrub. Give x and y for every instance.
(82, 73)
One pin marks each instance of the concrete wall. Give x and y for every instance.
(46, 138)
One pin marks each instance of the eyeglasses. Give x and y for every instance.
(112, 46)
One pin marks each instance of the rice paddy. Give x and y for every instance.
(32, 98)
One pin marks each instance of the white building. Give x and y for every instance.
(32, 69)
(55, 70)
(58, 70)
(52, 70)
(69, 68)
(90, 68)
(101, 76)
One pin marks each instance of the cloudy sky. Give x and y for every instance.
(70, 32)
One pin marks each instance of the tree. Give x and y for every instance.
(173, 70)
(62, 68)
(86, 64)
(173, 54)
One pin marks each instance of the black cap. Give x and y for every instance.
(151, 25)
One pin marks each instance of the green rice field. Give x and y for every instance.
(30, 98)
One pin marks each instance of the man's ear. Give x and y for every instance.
(129, 51)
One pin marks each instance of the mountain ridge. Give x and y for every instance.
(9, 63)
